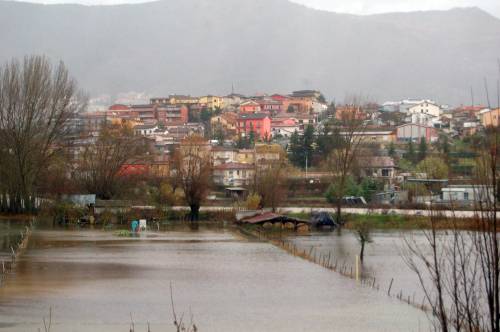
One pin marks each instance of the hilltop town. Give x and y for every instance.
(405, 147)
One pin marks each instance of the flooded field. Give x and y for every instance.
(10, 235)
(94, 281)
(384, 256)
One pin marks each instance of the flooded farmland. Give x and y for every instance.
(95, 281)
(384, 257)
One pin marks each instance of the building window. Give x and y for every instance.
(466, 196)
(385, 172)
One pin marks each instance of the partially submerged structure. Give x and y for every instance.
(323, 219)
(273, 219)
(318, 219)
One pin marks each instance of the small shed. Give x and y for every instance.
(236, 192)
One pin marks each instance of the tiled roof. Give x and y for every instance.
(255, 116)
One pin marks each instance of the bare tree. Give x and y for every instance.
(459, 270)
(486, 241)
(362, 230)
(341, 160)
(269, 181)
(193, 167)
(99, 166)
(36, 102)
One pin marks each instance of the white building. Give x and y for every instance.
(223, 155)
(318, 107)
(467, 194)
(285, 130)
(406, 104)
(233, 174)
(425, 107)
(145, 129)
(425, 113)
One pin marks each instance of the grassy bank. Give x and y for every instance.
(380, 221)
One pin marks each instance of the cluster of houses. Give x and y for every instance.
(272, 119)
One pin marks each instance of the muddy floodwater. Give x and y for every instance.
(94, 281)
(384, 257)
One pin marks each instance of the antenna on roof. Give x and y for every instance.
(472, 96)
(498, 93)
(498, 84)
(487, 93)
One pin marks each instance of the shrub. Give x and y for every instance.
(253, 202)
(64, 211)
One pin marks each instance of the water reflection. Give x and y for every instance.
(93, 280)
(384, 258)
(10, 235)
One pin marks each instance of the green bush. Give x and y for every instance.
(351, 188)
(64, 211)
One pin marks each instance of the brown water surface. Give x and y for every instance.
(94, 280)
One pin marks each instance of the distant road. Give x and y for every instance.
(404, 212)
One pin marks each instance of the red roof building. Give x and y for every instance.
(250, 106)
(259, 123)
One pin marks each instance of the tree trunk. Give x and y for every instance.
(195, 212)
(339, 211)
(362, 252)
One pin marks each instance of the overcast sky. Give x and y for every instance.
(350, 6)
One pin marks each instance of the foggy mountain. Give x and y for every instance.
(202, 47)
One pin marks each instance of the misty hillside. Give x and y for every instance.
(204, 46)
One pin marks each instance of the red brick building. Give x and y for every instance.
(172, 113)
(259, 123)
(150, 113)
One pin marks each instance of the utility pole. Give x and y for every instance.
(472, 96)
(306, 167)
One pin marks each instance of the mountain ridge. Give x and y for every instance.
(196, 47)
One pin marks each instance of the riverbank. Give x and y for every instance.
(400, 222)
(377, 219)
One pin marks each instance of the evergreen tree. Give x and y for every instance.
(219, 135)
(242, 142)
(251, 137)
(410, 153)
(322, 99)
(392, 150)
(422, 149)
(193, 116)
(307, 145)
(444, 145)
(323, 140)
(295, 151)
(205, 117)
